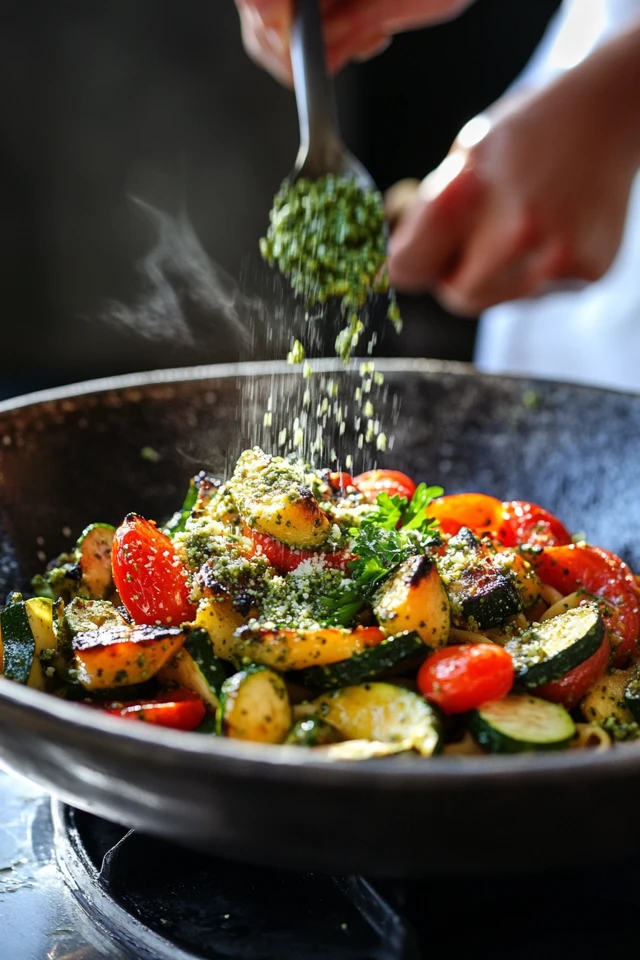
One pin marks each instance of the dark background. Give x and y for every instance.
(103, 101)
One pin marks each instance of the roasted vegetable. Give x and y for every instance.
(27, 632)
(312, 732)
(480, 595)
(221, 622)
(298, 649)
(379, 711)
(272, 498)
(547, 651)
(414, 599)
(405, 648)
(254, 705)
(196, 667)
(86, 572)
(110, 652)
(520, 723)
(607, 698)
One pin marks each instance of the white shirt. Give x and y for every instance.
(592, 334)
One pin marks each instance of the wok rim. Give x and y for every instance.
(270, 761)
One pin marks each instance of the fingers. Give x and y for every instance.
(354, 29)
(265, 26)
(363, 47)
(430, 239)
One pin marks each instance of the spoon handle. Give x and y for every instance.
(317, 114)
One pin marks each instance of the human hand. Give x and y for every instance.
(354, 29)
(533, 193)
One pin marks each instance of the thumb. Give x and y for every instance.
(430, 238)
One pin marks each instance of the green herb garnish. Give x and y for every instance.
(380, 547)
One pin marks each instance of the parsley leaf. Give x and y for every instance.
(409, 514)
(380, 547)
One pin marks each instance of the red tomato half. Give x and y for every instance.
(148, 574)
(393, 482)
(571, 688)
(604, 575)
(285, 559)
(527, 523)
(480, 513)
(178, 709)
(463, 677)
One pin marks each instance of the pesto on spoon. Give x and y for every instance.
(327, 233)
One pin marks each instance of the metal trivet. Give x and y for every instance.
(157, 900)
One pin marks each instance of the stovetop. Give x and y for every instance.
(74, 887)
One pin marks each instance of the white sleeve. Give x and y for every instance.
(574, 31)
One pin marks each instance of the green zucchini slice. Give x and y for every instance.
(197, 668)
(86, 572)
(93, 553)
(547, 651)
(312, 732)
(521, 723)
(481, 595)
(404, 648)
(382, 712)
(254, 705)
(414, 599)
(27, 631)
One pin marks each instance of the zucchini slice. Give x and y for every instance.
(481, 595)
(403, 648)
(93, 553)
(27, 631)
(413, 598)
(254, 705)
(84, 573)
(312, 732)
(196, 667)
(380, 712)
(521, 723)
(287, 649)
(547, 651)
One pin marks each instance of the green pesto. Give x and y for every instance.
(329, 239)
(298, 600)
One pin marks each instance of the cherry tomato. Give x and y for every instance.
(604, 575)
(370, 636)
(149, 575)
(527, 523)
(285, 559)
(462, 677)
(341, 482)
(571, 688)
(480, 513)
(621, 568)
(373, 482)
(178, 709)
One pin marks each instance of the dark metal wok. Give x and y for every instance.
(71, 456)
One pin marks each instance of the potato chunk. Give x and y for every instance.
(272, 498)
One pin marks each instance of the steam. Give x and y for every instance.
(185, 298)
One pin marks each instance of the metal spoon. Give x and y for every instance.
(321, 148)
